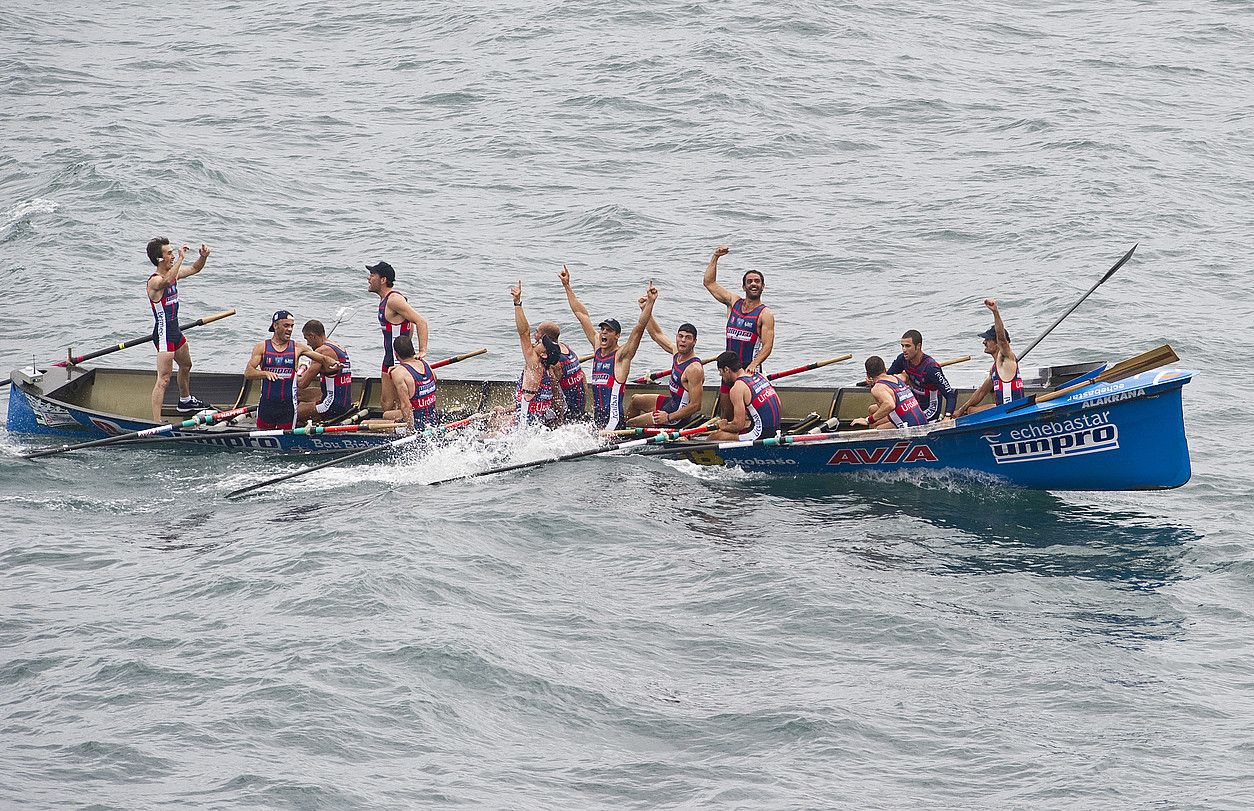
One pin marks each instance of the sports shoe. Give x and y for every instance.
(191, 405)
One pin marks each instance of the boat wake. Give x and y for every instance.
(24, 210)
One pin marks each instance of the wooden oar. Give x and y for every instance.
(671, 435)
(817, 364)
(950, 362)
(143, 339)
(586, 358)
(316, 430)
(1145, 362)
(458, 358)
(651, 376)
(206, 419)
(1109, 273)
(354, 455)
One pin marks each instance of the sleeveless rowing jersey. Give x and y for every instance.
(166, 334)
(277, 406)
(607, 392)
(390, 331)
(679, 396)
(743, 332)
(764, 411)
(540, 406)
(572, 384)
(337, 388)
(423, 401)
(929, 383)
(906, 409)
(1006, 390)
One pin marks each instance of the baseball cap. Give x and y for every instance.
(612, 324)
(990, 334)
(278, 316)
(383, 270)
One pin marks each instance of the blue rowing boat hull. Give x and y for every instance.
(1125, 435)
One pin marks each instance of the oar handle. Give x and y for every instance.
(457, 358)
(817, 364)
(952, 361)
(143, 339)
(1125, 368)
(586, 358)
(664, 372)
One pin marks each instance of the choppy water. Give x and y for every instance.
(629, 633)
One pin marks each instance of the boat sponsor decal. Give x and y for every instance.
(773, 461)
(1168, 374)
(49, 415)
(108, 426)
(342, 444)
(1088, 433)
(268, 443)
(897, 453)
(1111, 399)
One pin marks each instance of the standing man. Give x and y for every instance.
(925, 376)
(685, 384)
(893, 404)
(611, 361)
(754, 404)
(163, 298)
(415, 384)
(750, 323)
(1003, 377)
(335, 378)
(570, 377)
(396, 318)
(273, 362)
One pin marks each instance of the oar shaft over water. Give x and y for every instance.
(156, 430)
(143, 339)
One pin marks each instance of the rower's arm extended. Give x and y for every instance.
(406, 311)
(1007, 362)
(312, 371)
(520, 323)
(766, 329)
(655, 331)
(580, 311)
(711, 278)
(198, 265)
(629, 347)
(978, 395)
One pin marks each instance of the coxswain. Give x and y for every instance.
(925, 376)
(415, 385)
(1003, 377)
(750, 323)
(683, 398)
(333, 398)
(163, 298)
(396, 318)
(611, 361)
(536, 396)
(570, 377)
(755, 408)
(893, 404)
(273, 362)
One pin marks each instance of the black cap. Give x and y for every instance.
(278, 316)
(612, 324)
(686, 327)
(383, 270)
(990, 334)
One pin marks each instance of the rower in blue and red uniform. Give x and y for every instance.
(163, 298)
(611, 361)
(273, 362)
(893, 404)
(396, 318)
(755, 406)
(535, 399)
(750, 323)
(1003, 379)
(685, 387)
(333, 398)
(925, 376)
(416, 384)
(569, 376)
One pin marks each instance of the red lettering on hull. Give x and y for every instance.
(898, 453)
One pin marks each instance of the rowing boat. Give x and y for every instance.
(76, 402)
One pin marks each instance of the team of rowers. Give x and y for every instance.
(311, 381)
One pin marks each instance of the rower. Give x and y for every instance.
(611, 361)
(925, 376)
(396, 318)
(570, 376)
(893, 404)
(335, 378)
(415, 385)
(542, 365)
(273, 362)
(754, 404)
(750, 323)
(685, 385)
(1003, 377)
(163, 298)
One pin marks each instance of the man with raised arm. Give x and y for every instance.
(755, 406)
(611, 361)
(1003, 377)
(163, 298)
(569, 376)
(396, 318)
(893, 404)
(925, 376)
(750, 323)
(683, 399)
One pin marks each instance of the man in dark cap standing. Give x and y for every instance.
(1003, 377)
(396, 318)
